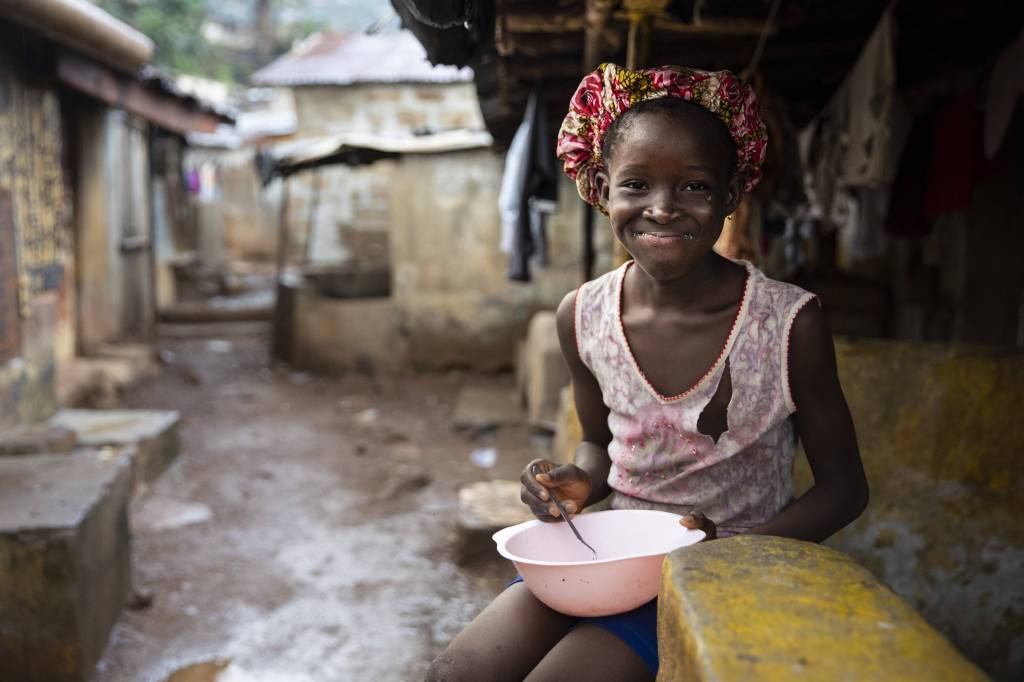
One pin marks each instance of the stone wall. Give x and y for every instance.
(449, 277)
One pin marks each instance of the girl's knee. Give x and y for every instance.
(452, 666)
(441, 669)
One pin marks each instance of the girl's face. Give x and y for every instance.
(667, 190)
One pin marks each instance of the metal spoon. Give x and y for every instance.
(565, 515)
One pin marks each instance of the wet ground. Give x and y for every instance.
(308, 529)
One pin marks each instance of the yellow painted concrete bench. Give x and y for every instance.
(767, 608)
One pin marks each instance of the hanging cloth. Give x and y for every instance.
(529, 192)
(1005, 86)
(858, 138)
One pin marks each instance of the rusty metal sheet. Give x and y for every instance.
(10, 317)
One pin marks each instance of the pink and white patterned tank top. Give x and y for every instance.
(659, 458)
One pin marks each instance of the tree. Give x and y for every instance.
(176, 27)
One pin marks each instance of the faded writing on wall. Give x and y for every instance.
(30, 170)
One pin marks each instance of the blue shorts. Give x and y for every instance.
(637, 628)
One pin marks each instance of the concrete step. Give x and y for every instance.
(491, 505)
(36, 439)
(65, 561)
(152, 433)
(97, 381)
(541, 372)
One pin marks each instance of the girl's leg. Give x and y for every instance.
(591, 653)
(504, 642)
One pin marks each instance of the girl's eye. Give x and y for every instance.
(695, 187)
(634, 185)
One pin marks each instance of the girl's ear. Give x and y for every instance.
(735, 194)
(603, 186)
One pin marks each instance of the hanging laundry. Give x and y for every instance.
(875, 120)
(906, 209)
(956, 157)
(529, 192)
(858, 138)
(1005, 86)
(859, 225)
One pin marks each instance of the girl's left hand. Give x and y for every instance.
(696, 520)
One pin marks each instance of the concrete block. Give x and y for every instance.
(340, 334)
(491, 505)
(545, 373)
(768, 608)
(98, 381)
(941, 436)
(35, 439)
(152, 433)
(568, 432)
(65, 565)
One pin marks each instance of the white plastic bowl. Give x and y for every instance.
(630, 544)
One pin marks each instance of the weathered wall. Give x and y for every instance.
(432, 220)
(113, 229)
(238, 220)
(451, 304)
(401, 108)
(348, 219)
(33, 245)
(340, 334)
(942, 440)
(449, 277)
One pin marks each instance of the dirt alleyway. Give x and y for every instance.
(307, 530)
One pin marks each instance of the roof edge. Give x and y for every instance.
(86, 28)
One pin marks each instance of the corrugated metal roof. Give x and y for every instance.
(353, 58)
(355, 149)
(300, 152)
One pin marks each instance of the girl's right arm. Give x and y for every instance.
(586, 480)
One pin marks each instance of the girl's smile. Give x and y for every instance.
(657, 237)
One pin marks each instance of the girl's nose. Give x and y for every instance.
(661, 212)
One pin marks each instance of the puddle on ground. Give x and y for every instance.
(164, 513)
(223, 670)
(207, 671)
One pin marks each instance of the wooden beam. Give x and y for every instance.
(545, 22)
(649, 7)
(596, 20)
(665, 23)
(543, 46)
(638, 48)
(125, 92)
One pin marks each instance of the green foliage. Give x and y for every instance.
(176, 27)
(298, 30)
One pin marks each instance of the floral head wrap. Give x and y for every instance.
(605, 94)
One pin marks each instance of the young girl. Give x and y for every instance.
(693, 374)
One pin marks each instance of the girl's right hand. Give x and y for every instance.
(543, 478)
